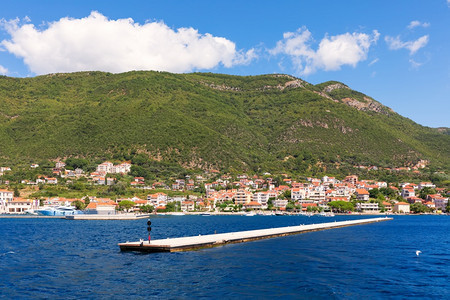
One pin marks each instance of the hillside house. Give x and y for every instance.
(362, 195)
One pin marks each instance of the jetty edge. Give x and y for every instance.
(213, 240)
(107, 217)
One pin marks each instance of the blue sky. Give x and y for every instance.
(395, 51)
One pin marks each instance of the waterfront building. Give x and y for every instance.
(5, 197)
(243, 197)
(367, 207)
(402, 207)
(187, 206)
(262, 198)
(387, 206)
(101, 206)
(253, 205)
(280, 203)
(20, 206)
(440, 202)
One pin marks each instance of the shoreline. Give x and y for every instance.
(143, 216)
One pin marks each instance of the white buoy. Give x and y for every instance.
(418, 252)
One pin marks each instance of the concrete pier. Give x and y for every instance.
(214, 240)
(107, 217)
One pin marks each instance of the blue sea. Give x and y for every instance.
(62, 259)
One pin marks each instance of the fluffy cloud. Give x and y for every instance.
(332, 53)
(3, 70)
(414, 24)
(97, 43)
(395, 43)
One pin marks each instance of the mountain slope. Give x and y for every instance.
(202, 120)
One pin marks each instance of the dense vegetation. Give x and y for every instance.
(178, 123)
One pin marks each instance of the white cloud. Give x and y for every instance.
(374, 61)
(3, 70)
(395, 43)
(332, 53)
(97, 43)
(414, 24)
(414, 63)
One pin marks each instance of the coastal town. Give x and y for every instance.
(213, 192)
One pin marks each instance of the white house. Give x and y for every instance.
(440, 202)
(426, 184)
(19, 205)
(261, 197)
(362, 195)
(280, 203)
(5, 197)
(243, 197)
(298, 194)
(187, 206)
(402, 207)
(408, 192)
(367, 207)
(158, 199)
(105, 167)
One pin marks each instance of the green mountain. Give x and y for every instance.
(204, 121)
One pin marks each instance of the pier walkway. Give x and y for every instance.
(213, 240)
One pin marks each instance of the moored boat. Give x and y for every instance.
(58, 211)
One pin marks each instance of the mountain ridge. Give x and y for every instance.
(205, 120)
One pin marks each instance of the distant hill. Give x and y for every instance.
(202, 120)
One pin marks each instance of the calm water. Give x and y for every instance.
(53, 258)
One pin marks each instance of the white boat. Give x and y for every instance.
(178, 213)
(58, 211)
(250, 214)
(327, 214)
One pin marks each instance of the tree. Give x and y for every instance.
(147, 208)
(76, 163)
(126, 204)
(287, 194)
(170, 206)
(119, 188)
(373, 193)
(270, 203)
(418, 208)
(16, 192)
(79, 204)
(388, 192)
(86, 201)
(426, 191)
(312, 209)
(290, 206)
(341, 206)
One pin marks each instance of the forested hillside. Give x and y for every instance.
(204, 121)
